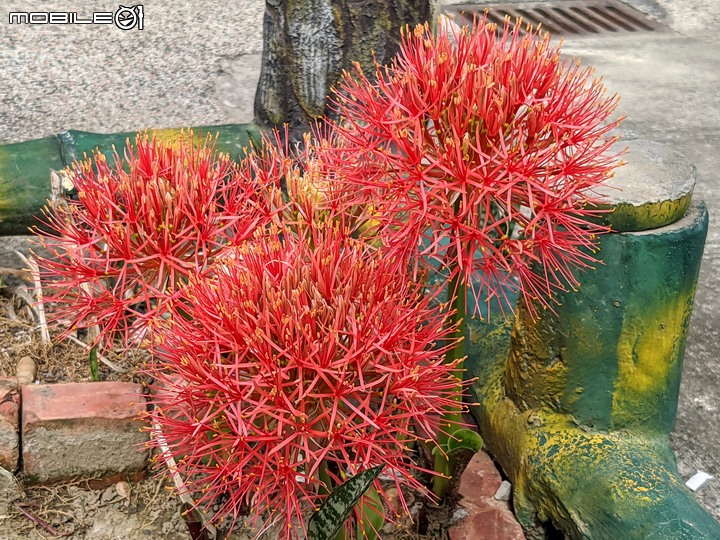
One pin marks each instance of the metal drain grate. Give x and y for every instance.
(565, 17)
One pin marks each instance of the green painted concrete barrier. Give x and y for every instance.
(25, 167)
(577, 406)
(25, 181)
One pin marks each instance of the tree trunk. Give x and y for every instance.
(577, 404)
(308, 43)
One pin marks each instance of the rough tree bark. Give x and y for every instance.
(308, 43)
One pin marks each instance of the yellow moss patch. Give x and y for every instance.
(648, 350)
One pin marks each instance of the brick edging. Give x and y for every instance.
(51, 433)
(58, 432)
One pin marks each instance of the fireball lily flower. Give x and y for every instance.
(487, 153)
(480, 158)
(141, 227)
(303, 361)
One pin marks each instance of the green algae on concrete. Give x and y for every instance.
(594, 485)
(25, 181)
(231, 139)
(611, 354)
(25, 167)
(577, 406)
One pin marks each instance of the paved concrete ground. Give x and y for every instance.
(98, 77)
(197, 63)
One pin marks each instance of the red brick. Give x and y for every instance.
(81, 429)
(9, 409)
(487, 518)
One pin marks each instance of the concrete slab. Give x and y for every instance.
(102, 78)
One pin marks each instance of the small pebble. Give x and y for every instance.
(123, 489)
(459, 514)
(26, 370)
(393, 499)
(697, 480)
(504, 491)
(108, 495)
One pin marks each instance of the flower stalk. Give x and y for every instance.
(451, 420)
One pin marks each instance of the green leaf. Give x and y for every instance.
(461, 439)
(372, 515)
(327, 483)
(465, 439)
(94, 368)
(329, 518)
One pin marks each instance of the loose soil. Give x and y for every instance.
(72, 510)
(151, 512)
(57, 361)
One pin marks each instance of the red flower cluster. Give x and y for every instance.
(141, 227)
(291, 348)
(487, 153)
(302, 355)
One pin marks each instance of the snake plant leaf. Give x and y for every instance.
(329, 518)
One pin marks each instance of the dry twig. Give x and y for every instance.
(48, 528)
(188, 504)
(40, 307)
(21, 292)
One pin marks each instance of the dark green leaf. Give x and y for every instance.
(372, 515)
(329, 518)
(327, 482)
(94, 368)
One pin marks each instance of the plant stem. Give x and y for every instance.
(370, 515)
(451, 420)
(457, 294)
(326, 487)
(94, 368)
